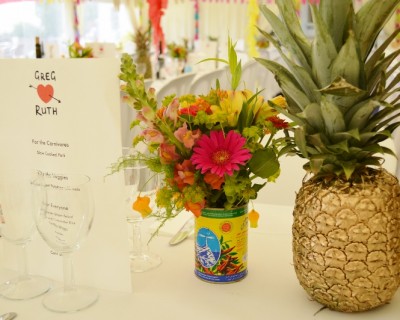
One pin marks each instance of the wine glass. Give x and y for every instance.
(141, 182)
(18, 227)
(64, 218)
(141, 68)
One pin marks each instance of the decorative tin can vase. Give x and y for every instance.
(221, 244)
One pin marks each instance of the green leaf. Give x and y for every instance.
(288, 83)
(347, 64)
(380, 70)
(316, 163)
(286, 38)
(334, 14)
(302, 74)
(362, 115)
(300, 140)
(379, 52)
(387, 150)
(214, 59)
(339, 147)
(323, 50)
(353, 133)
(264, 163)
(394, 83)
(313, 116)
(333, 117)
(340, 87)
(290, 115)
(348, 168)
(371, 18)
(319, 142)
(292, 23)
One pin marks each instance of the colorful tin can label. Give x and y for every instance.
(221, 244)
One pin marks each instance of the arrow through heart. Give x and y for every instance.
(45, 93)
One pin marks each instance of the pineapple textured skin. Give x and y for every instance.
(346, 241)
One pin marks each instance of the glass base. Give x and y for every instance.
(70, 300)
(24, 288)
(144, 262)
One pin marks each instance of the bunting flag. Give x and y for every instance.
(156, 11)
(196, 20)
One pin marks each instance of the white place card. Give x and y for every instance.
(64, 114)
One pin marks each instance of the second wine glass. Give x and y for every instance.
(17, 226)
(141, 185)
(64, 220)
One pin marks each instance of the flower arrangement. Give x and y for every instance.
(209, 149)
(76, 50)
(262, 43)
(177, 51)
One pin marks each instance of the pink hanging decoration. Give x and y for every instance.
(156, 11)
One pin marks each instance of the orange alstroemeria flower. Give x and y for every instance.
(184, 174)
(141, 205)
(167, 153)
(194, 108)
(195, 208)
(214, 180)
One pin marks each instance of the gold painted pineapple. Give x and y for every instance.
(341, 90)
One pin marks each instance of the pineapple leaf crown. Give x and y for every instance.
(341, 86)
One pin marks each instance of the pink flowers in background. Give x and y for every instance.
(219, 154)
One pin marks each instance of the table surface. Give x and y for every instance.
(172, 291)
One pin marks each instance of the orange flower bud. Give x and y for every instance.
(253, 218)
(141, 205)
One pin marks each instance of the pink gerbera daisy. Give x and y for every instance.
(219, 154)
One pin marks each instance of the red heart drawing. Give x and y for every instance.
(45, 92)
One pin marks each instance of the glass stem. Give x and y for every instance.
(137, 245)
(23, 263)
(69, 282)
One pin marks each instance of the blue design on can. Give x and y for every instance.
(208, 249)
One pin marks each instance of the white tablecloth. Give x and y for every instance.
(172, 291)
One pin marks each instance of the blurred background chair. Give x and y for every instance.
(249, 78)
(179, 85)
(204, 82)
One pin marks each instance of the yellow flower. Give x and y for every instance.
(280, 101)
(253, 218)
(230, 107)
(141, 205)
(266, 110)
